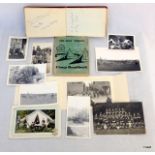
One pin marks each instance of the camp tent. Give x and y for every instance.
(37, 117)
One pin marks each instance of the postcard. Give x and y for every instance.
(71, 56)
(118, 118)
(121, 42)
(111, 60)
(26, 74)
(78, 117)
(42, 54)
(17, 48)
(45, 93)
(35, 122)
(99, 91)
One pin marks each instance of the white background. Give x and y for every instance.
(136, 19)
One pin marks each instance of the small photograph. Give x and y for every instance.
(78, 116)
(78, 113)
(118, 118)
(82, 132)
(42, 54)
(108, 60)
(28, 121)
(17, 48)
(99, 91)
(26, 74)
(45, 93)
(121, 42)
(34, 122)
(118, 65)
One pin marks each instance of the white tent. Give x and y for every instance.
(40, 115)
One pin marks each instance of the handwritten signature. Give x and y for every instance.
(43, 21)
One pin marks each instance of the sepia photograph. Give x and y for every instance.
(99, 91)
(42, 54)
(34, 121)
(121, 42)
(45, 93)
(17, 48)
(78, 116)
(82, 132)
(108, 60)
(118, 118)
(26, 74)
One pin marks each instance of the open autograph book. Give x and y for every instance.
(66, 21)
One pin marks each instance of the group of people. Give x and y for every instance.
(36, 125)
(94, 92)
(118, 118)
(41, 56)
(120, 43)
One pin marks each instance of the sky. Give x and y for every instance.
(106, 54)
(78, 102)
(47, 87)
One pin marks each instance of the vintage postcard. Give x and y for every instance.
(45, 93)
(78, 117)
(118, 118)
(110, 60)
(35, 122)
(17, 48)
(71, 56)
(121, 42)
(42, 54)
(99, 91)
(26, 74)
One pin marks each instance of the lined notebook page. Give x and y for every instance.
(45, 22)
(86, 22)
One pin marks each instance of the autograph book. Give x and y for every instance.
(66, 21)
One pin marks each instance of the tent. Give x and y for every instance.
(37, 117)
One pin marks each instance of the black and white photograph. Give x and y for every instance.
(121, 42)
(78, 131)
(45, 93)
(42, 54)
(29, 122)
(78, 112)
(17, 48)
(78, 116)
(99, 91)
(108, 60)
(118, 118)
(26, 74)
